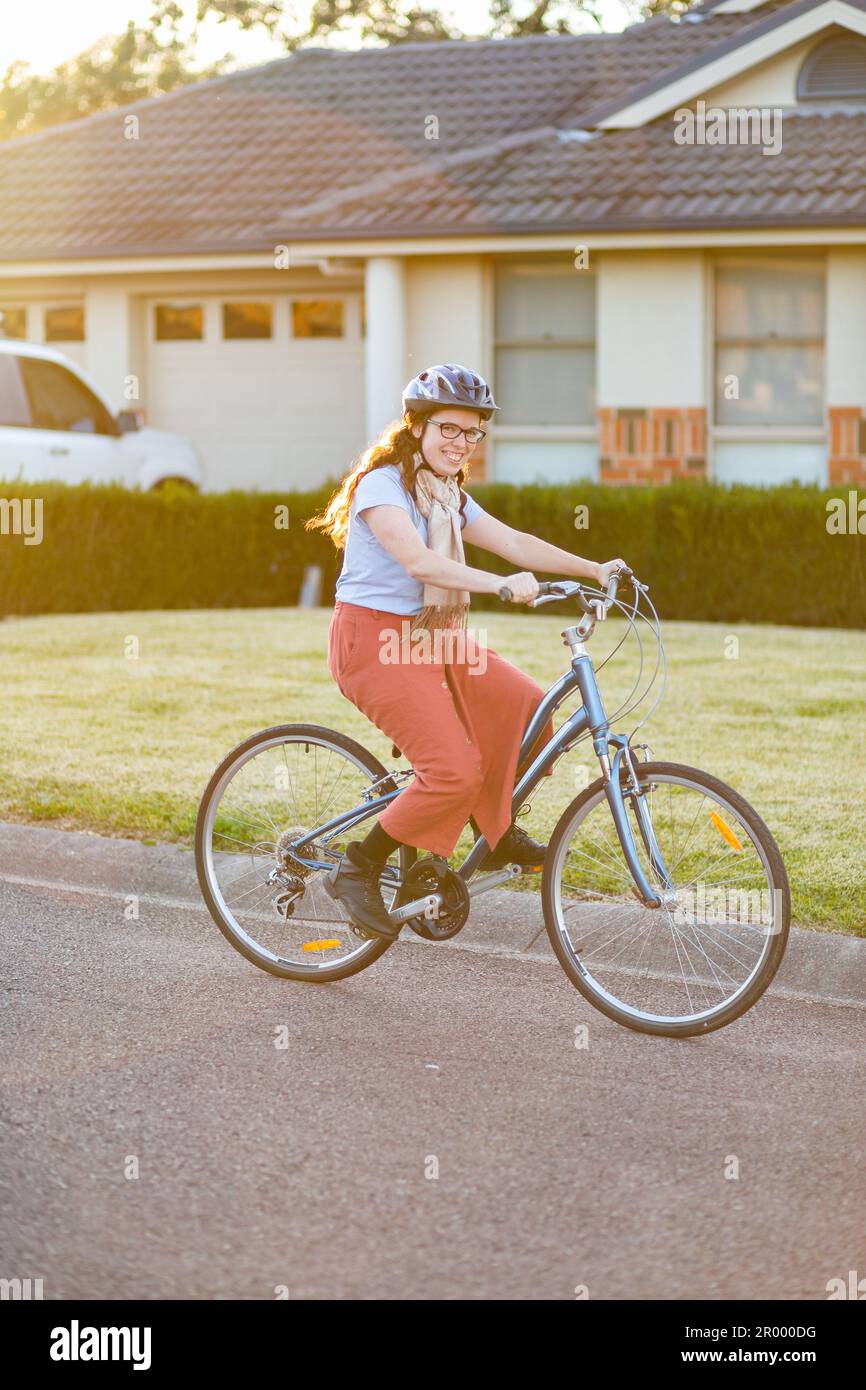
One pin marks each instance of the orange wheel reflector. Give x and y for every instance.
(725, 830)
(326, 943)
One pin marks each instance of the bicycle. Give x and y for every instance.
(625, 879)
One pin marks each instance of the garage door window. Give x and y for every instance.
(65, 324)
(13, 322)
(317, 318)
(59, 401)
(247, 321)
(179, 321)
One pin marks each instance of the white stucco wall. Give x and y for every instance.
(446, 312)
(773, 83)
(651, 329)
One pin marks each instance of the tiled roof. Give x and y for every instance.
(623, 179)
(328, 141)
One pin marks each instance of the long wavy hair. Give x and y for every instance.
(396, 444)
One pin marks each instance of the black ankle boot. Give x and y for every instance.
(355, 884)
(516, 847)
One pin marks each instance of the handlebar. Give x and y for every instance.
(566, 588)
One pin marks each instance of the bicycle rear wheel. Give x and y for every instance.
(702, 959)
(271, 790)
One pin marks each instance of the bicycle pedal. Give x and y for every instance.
(364, 935)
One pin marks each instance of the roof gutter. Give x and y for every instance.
(671, 239)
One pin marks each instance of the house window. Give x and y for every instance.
(247, 321)
(176, 321)
(65, 324)
(544, 341)
(317, 318)
(769, 367)
(834, 70)
(13, 322)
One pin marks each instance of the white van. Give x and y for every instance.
(56, 425)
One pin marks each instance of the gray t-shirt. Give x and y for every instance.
(370, 575)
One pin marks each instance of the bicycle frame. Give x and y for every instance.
(589, 717)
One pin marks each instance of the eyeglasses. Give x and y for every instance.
(450, 431)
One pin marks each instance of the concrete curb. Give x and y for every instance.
(824, 966)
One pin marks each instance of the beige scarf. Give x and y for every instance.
(438, 500)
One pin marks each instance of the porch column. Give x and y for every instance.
(114, 347)
(846, 366)
(386, 374)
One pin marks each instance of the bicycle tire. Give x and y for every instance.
(740, 1004)
(368, 952)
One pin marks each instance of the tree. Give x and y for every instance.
(393, 21)
(148, 59)
(119, 68)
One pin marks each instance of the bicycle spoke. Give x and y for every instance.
(295, 783)
(672, 867)
(696, 951)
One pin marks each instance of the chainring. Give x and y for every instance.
(433, 875)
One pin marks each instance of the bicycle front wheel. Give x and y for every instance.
(707, 954)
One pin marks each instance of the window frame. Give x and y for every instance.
(21, 308)
(302, 297)
(229, 299)
(186, 302)
(748, 433)
(53, 305)
(542, 434)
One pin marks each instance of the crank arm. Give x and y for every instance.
(422, 907)
(429, 906)
(493, 880)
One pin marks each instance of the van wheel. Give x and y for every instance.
(166, 485)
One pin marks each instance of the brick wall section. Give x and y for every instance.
(654, 445)
(478, 462)
(847, 459)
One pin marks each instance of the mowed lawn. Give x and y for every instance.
(114, 722)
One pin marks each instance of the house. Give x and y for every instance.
(653, 243)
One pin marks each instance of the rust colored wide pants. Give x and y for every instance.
(460, 726)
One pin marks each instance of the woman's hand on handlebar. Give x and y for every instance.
(607, 569)
(524, 587)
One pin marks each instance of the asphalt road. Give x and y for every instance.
(314, 1167)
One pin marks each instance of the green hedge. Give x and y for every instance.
(708, 552)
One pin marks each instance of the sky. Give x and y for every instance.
(44, 33)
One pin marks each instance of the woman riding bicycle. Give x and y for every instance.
(402, 516)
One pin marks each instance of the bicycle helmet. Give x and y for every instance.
(449, 384)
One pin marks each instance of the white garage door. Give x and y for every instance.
(270, 388)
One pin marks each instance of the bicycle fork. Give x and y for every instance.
(602, 740)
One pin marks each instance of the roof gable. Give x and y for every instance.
(728, 58)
